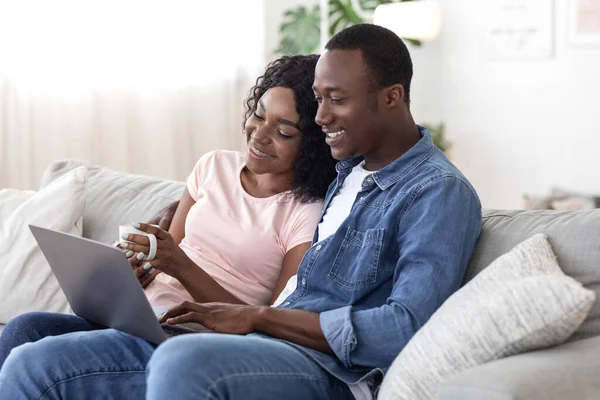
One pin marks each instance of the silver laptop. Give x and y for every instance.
(100, 286)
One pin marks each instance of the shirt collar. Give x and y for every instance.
(393, 172)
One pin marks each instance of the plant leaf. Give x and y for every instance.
(299, 31)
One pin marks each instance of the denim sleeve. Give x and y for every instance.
(436, 236)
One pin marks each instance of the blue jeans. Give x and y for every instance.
(109, 364)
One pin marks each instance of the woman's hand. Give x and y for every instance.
(170, 258)
(136, 261)
(220, 317)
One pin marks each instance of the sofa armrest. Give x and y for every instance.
(569, 371)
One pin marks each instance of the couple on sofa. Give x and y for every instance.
(396, 231)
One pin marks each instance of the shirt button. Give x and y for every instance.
(370, 180)
(318, 248)
(361, 199)
(303, 281)
(287, 303)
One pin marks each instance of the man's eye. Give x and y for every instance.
(318, 99)
(258, 116)
(335, 100)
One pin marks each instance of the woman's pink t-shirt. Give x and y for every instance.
(239, 240)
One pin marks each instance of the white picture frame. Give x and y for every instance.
(584, 22)
(518, 30)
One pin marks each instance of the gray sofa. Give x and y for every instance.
(570, 371)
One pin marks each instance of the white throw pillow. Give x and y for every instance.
(521, 302)
(26, 280)
(10, 199)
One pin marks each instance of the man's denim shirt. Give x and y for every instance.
(401, 252)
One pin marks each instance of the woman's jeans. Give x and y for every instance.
(56, 356)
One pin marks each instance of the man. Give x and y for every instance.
(399, 225)
(398, 229)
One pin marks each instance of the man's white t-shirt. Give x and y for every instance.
(342, 202)
(336, 213)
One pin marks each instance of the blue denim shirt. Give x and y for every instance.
(400, 253)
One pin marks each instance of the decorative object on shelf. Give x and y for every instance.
(584, 22)
(561, 199)
(517, 29)
(438, 136)
(305, 30)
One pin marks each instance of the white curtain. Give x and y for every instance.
(139, 86)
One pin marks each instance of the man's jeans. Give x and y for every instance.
(109, 364)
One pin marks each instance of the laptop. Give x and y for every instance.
(100, 286)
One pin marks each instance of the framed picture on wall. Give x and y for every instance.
(584, 22)
(517, 29)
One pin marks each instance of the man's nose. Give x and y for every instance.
(324, 116)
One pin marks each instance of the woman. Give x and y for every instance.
(244, 222)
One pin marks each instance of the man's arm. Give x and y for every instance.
(165, 216)
(297, 326)
(172, 217)
(437, 235)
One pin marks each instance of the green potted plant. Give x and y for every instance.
(299, 33)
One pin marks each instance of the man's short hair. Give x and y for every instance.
(383, 52)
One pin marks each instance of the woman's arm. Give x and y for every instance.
(199, 284)
(177, 227)
(291, 261)
(173, 261)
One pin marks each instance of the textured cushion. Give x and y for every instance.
(523, 301)
(26, 280)
(116, 198)
(575, 241)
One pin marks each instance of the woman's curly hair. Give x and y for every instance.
(314, 169)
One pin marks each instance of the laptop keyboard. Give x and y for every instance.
(174, 330)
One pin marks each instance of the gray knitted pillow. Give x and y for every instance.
(521, 302)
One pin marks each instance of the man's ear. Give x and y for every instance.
(394, 95)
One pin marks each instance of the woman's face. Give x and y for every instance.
(273, 133)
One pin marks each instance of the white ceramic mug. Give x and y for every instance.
(127, 229)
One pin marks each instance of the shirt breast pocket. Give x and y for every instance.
(358, 258)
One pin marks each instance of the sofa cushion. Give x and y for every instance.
(116, 198)
(575, 239)
(565, 372)
(522, 302)
(26, 280)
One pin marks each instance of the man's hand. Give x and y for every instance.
(220, 317)
(165, 216)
